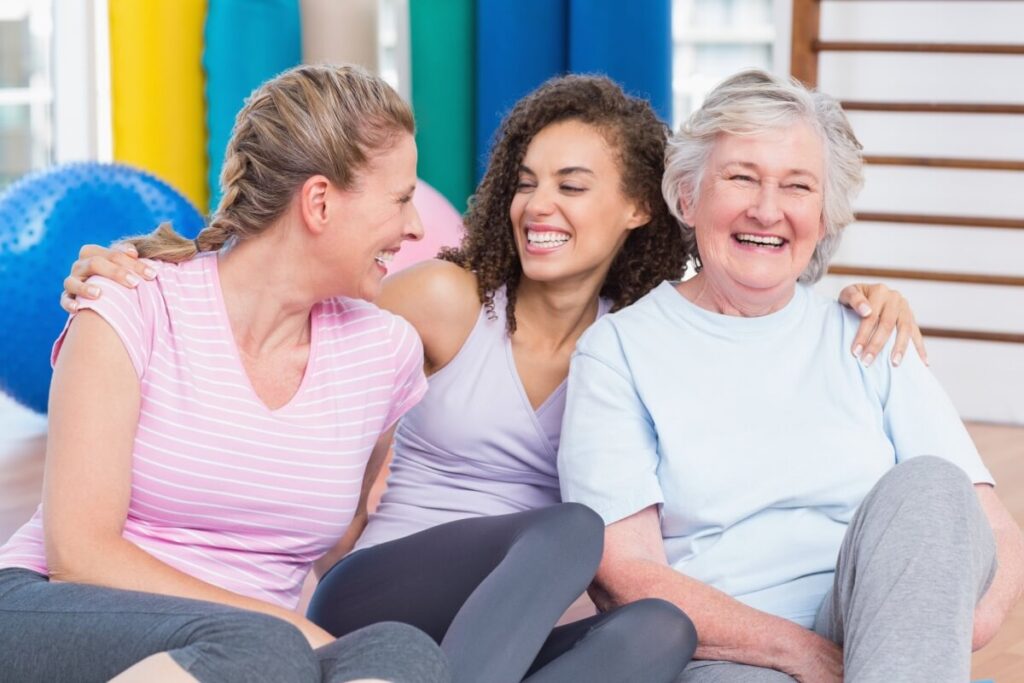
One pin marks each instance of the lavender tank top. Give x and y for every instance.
(474, 445)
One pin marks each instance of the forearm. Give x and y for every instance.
(119, 563)
(726, 628)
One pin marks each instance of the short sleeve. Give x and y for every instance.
(410, 382)
(128, 311)
(608, 456)
(920, 419)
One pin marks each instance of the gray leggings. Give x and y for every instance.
(489, 590)
(917, 557)
(72, 632)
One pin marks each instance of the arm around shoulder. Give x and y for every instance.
(440, 300)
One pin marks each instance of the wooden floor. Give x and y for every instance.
(1002, 448)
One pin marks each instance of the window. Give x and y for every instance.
(26, 96)
(713, 39)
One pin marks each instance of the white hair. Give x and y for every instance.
(753, 102)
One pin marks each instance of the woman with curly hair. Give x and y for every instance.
(567, 224)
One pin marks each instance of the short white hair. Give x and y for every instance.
(753, 102)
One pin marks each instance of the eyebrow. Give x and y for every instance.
(568, 170)
(754, 167)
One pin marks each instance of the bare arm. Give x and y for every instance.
(94, 410)
(882, 310)
(1008, 583)
(634, 566)
(440, 300)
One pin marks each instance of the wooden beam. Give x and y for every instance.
(930, 276)
(945, 162)
(803, 60)
(934, 48)
(931, 219)
(934, 107)
(973, 335)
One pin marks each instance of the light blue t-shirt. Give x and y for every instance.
(758, 437)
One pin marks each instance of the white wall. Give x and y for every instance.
(986, 380)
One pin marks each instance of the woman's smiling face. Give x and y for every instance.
(569, 214)
(758, 215)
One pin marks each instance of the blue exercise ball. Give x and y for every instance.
(44, 219)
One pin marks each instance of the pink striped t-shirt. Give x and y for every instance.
(223, 488)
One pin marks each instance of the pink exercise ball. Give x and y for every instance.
(442, 227)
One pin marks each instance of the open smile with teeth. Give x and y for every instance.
(384, 257)
(546, 238)
(770, 241)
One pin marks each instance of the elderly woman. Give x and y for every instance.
(810, 512)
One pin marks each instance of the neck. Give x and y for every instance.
(268, 299)
(555, 314)
(702, 291)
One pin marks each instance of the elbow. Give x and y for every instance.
(621, 583)
(72, 558)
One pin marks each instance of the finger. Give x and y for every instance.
(126, 248)
(899, 347)
(107, 266)
(864, 332)
(919, 345)
(67, 303)
(75, 288)
(89, 250)
(131, 263)
(855, 299)
(888, 316)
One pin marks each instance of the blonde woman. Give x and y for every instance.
(209, 429)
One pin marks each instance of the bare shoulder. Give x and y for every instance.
(440, 299)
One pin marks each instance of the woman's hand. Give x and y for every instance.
(120, 263)
(882, 310)
(816, 660)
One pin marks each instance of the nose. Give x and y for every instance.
(414, 226)
(764, 205)
(540, 202)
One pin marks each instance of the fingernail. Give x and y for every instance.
(149, 273)
(896, 359)
(93, 291)
(73, 305)
(867, 359)
(864, 309)
(857, 350)
(133, 279)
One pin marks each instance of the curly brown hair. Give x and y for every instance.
(652, 253)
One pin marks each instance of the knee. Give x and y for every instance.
(657, 629)
(928, 477)
(569, 533)
(269, 647)
(931, 493)
(408, 653)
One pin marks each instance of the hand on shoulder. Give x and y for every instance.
(440, 300)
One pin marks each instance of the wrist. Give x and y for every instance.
(790, 644)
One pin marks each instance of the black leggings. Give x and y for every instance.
(489, 590)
